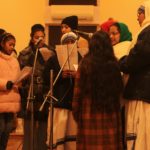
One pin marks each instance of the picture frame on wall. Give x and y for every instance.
(73, 2)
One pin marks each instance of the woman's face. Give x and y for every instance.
(8, 46)
(38, 35)
(65, 28)
(114, 35)
(140, 17)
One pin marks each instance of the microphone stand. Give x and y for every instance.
(49, 92)
(51, 111)
(30, 99)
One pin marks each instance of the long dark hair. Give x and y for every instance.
(100, 77)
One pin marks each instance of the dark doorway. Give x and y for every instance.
(54, 32)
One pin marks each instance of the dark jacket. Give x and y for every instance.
(64, 92)
(41, 79)
(137, 65)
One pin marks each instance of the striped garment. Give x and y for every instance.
(97, 130)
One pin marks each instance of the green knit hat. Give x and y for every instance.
(125, 34)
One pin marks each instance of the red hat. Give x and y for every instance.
(106, 25)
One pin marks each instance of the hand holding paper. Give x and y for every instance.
(64, 52)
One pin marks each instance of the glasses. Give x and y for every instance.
(113, 33)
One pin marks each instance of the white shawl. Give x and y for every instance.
(145, 23)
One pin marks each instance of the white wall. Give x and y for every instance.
(18, 16)
(121, 10)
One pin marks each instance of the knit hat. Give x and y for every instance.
(106, 25)
(71, 21)
(125, 34)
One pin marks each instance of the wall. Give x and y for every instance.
(18, 16)
(121, 10)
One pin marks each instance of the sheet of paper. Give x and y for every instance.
(83, 51)
(65, 55)
(75, 66)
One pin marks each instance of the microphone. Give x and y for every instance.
(38, 41)
(83, 33)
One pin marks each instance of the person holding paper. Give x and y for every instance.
(65, 128)
(9, 93)
(70, 24)
(46, 60)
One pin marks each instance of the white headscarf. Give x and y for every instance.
(68, 36)
(145, 23)
(146, 5)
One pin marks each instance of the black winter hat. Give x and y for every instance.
(71, 21)
(36, 27)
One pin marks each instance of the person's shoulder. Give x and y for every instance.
(144, 33)
(81, 39)
(83, 43)
(25, 51)
(49, 47)
(15, 60)
(147, 27)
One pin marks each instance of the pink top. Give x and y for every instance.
(9, 70)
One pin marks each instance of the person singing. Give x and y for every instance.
(46, 60)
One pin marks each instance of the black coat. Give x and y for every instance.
(41, 78)
(137, 65)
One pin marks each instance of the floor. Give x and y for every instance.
(15, 142)
(16, 138)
